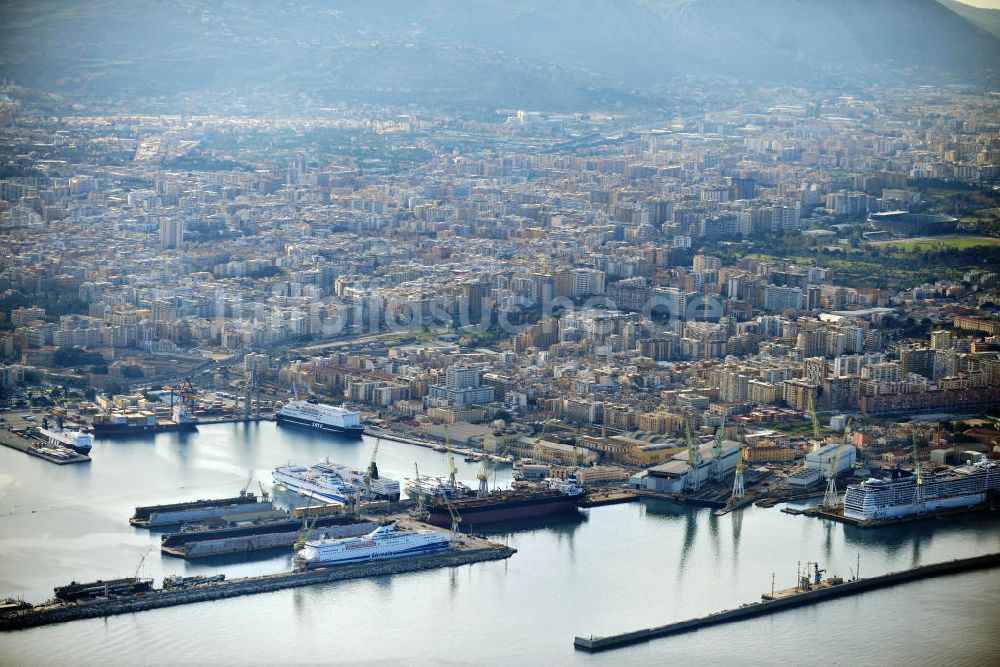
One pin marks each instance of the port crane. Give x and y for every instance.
(371, 472)
(817, 438)
(307, 527)
(456, 519)
(246, 487)
(717, 472)
(691, 481)
(918, 471)
(738, 490)
(831, 497)
(142, 559)
(421, 507)
(452, 468)
(264, 495)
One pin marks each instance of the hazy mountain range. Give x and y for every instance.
(489, 53)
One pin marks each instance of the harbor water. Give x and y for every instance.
(601, 571)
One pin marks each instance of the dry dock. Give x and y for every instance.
(471, 550)
(593, 643)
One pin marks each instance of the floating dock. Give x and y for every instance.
(256, 537)
(787, 600)
(598, 498)
(466, 551)
(197, 510)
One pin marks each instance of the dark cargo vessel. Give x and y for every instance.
(502, 506)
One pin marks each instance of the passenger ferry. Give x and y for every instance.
(332, 482)
(321, 417)
(77, 440)
(384, 542)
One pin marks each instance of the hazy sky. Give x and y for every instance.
(990, 4)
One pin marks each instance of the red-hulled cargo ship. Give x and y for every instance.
(502, 506)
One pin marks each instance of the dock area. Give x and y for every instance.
(786, 600)
(837, 514)
(37, 449)
(466, 550)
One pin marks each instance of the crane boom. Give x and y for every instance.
(832, 497)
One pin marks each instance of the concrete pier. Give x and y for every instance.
(471, 550)
(34, 448)
(592, 643)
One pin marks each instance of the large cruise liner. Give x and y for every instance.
(76, 439)
(897, 496)
(323, 417)
(384, 542)
(333, 483)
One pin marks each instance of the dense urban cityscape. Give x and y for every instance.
(759, 295)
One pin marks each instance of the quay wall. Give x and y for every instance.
(808, 597)
(43, 615)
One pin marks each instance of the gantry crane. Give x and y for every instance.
(738, 489)
(307, 527)
(484, 477)
(691, 481)
(831, 497)
(456, 519)
(918, 471)
(817, 438)
(717, 472)
(371, 472)
(421, 506)
(452, 468)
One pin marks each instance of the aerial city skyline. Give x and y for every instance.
(524, 331)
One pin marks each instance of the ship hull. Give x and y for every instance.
(414, 551)
(353, 432)
(112, 430)
(502, 511)
(303, 488)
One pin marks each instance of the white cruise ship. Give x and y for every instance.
(76, 439)
(881, 499)
(323, 417)
(333, 483)
(384, 542)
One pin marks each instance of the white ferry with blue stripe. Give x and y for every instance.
(384, 542)
(321, 417)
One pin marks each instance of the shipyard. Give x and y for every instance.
(500, 333)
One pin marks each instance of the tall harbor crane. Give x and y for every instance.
(456, 519)
(817, 438)
(452, 468)
(307, 528)
(918, 471)
(717, 472)
(142, 559)
(691, 481)
(371, 472)
(831, 497)
(421, 505)
(484, 478)
(738, 490)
